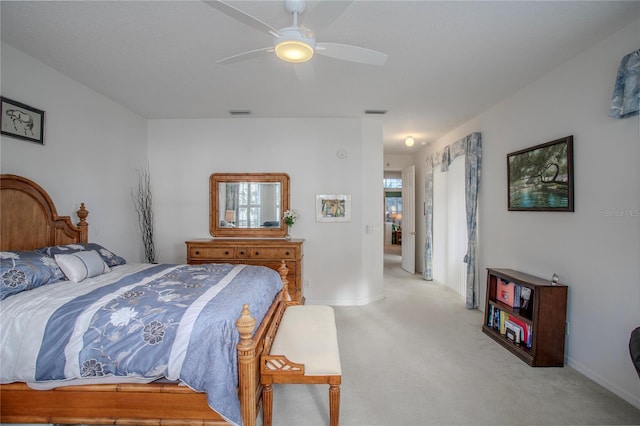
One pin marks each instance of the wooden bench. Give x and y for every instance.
(303, 351)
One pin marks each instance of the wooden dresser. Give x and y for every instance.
(253, 251)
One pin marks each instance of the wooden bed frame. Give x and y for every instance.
(28, 221)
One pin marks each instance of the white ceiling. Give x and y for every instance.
(448, 60)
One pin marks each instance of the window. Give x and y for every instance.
(393, 183)
(248, 205)
(254, 206)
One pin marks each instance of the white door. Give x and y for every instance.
(409, 220)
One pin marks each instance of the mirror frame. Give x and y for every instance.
(214, 220)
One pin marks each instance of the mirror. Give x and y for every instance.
(248, 204)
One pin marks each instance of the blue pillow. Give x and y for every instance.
(25, 270)
(109, 257)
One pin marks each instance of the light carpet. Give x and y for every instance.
(418, 357)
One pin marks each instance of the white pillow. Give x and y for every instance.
(82, 264)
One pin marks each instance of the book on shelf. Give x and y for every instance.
(525, 296)
(490, 317)
(513, 331)
(516, 296)
(508, 293)
(511, 335)
(510, 326)
(503, 320)
(524, 327)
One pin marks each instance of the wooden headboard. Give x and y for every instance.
(29, 220)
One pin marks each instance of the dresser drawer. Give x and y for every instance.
(213, 253)
(271, 253)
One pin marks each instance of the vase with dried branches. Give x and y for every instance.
(142, 201)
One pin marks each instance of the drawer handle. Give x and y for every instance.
(257, 253)
(197, 252)
(286, 253)
(226, 252)
(241, 252)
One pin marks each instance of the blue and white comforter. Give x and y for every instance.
(137, 323)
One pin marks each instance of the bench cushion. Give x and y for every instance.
(307, 335)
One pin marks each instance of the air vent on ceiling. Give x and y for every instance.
(375, 111)
(240, 112)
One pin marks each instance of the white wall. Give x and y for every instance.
(397, 162)
(341, 265)
(372, 245)
(92, 149)
(595, 250)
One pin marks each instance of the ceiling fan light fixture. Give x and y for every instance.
(293, 47)
(294, 51)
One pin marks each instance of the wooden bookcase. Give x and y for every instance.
(545, 315)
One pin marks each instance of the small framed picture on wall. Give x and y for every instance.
(21, 121)
(333, 208)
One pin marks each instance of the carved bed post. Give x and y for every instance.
(247, 377)
(284, 271)
(83, 225)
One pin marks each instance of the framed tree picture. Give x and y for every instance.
(540, 178)
(22, 121)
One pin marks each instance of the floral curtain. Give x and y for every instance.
(626, 93)
(473, 166)
(471, 147)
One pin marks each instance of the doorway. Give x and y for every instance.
(393, 210)
(409, 223)
(399, 222)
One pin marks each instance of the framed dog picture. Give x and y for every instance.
(22, 121)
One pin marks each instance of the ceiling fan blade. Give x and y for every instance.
(347, 52)
(244, 56)
(243, 17)
(322, 15)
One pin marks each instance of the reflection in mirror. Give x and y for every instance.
(248, 204)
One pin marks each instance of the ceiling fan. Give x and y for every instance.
(297, 43)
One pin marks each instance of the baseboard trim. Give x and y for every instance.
(622, 393)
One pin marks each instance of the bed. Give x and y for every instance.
(30, 224)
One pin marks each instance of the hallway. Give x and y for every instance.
(392, 256)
